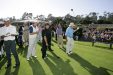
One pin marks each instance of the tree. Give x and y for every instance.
(68, 18)
(110, 17)
(93, 17)
(86, 20)
(59, 20)
(107, 18)
(41, 17)
(27, 16)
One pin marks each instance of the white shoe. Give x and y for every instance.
(70, 52)
(28, 59)
(35, 56)
(44, 58)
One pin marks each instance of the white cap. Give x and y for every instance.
(71, 24)
(6, 19)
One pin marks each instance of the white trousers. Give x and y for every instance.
(32, 47)
(69, 45)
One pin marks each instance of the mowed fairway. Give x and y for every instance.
(85, 60)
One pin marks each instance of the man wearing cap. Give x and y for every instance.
(33, 31)
(69, 34)
(9, 33)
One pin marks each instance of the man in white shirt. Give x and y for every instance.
(9, 33)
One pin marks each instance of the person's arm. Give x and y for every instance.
(2, 34)
(57, 31)
(45, 39)
(76, 29)
(14, 32)
(33, 33)
(66, 33)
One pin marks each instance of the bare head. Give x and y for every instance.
(47, 25)
(35, 24)
(25, 23)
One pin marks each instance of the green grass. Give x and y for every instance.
(85, 60)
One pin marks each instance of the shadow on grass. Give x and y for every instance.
(16, 71)
(2, 62)
(54, 54)
(39, 43)
(59, 67)
(23, 51)
(36, 67)
(8, 71)
(102, 47)
(53, 40)
(90, 45)
(93, 70)
(63, 49)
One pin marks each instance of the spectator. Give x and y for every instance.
(59, 33)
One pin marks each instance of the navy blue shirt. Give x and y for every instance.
(30, 29)
(20, 31)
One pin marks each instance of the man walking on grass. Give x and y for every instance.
(69, 36)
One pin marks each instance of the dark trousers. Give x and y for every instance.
(10, 46)
(49, 44)
(20, 42)
(44, 49)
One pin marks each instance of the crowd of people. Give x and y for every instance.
(100, 35)
(29, 35)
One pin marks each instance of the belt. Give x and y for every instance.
(8, 40)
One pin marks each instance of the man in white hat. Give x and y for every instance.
(69, 34)
(9, 33)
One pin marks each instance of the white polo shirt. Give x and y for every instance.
(7, 31)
